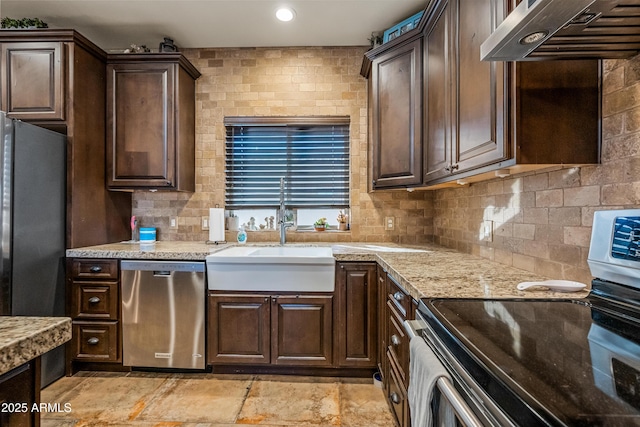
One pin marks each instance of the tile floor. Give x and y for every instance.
(97, 399)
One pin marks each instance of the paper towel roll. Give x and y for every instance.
(216, 225)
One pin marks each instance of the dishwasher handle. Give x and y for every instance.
(162, 273)
(163, 268)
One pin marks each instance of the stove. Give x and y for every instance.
(567, 362)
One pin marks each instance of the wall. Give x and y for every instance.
(281, 82)
(542, 221)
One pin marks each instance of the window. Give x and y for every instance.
(310, 153)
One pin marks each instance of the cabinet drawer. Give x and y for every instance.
(95, 300)
(398, 343)
(95, 269)
(96, 341)
(400, 298)
(397, 396)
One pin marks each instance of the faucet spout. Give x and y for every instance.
(282, 214)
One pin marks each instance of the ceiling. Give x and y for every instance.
(115, 25)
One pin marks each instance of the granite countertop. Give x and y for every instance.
(430, 271)
(24, 338)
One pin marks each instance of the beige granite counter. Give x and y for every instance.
(24, 338)
(424, 271)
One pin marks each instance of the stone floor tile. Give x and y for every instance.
(298, 379)
(117, 399)
(363, 405)
(55, 392)
(198, 399)
(292, 401)
(46, 422)
(147, 399)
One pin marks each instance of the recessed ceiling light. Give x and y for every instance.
(285, 14)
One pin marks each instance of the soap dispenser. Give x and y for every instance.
(242, 236)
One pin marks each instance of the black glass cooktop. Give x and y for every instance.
(548, 362)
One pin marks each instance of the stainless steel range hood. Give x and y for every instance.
(561, 29)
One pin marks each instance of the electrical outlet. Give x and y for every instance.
(205, 222)
(173, 222)
(389, 223)
(486, 233)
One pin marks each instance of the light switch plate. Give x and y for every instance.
(173, 222)
(205, 222)
(486, 231)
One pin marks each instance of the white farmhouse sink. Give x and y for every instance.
(272, 268)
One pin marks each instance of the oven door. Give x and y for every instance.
(457, 401)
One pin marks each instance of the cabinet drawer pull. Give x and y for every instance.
(93, 341)
(394, 398)
(395, 340)
(398, 296)
(94, 300)
(95, 269)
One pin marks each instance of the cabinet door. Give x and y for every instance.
(301, 327)
(397, 117)
(438, 110)
(32, 80)
(356, 331)
(480, 137)
(140, 128)
(239, 329)
(18, 387)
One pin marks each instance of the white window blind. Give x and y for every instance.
(311, 153)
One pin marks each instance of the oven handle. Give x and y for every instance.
(462, 410)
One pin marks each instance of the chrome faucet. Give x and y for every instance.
(282, 214)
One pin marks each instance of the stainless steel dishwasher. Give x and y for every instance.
(163, 314)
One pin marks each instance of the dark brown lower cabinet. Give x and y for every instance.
(96, 341)
(301, 330)
(19, 391)
(356, 331)
(289, 330)
(397, 397)
(239, 329)
(93, 302)
(399, 306)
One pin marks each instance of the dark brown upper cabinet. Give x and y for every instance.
(396, 128)
(151, 122)
(478, 117)
(33, 80)
(464, 108)
(55, 78)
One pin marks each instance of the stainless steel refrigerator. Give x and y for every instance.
(32, 227)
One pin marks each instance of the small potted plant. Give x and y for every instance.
(7, 23)
(342, 219)
(321, 224)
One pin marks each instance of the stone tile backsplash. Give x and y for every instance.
(541, 221)
(283, 82)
